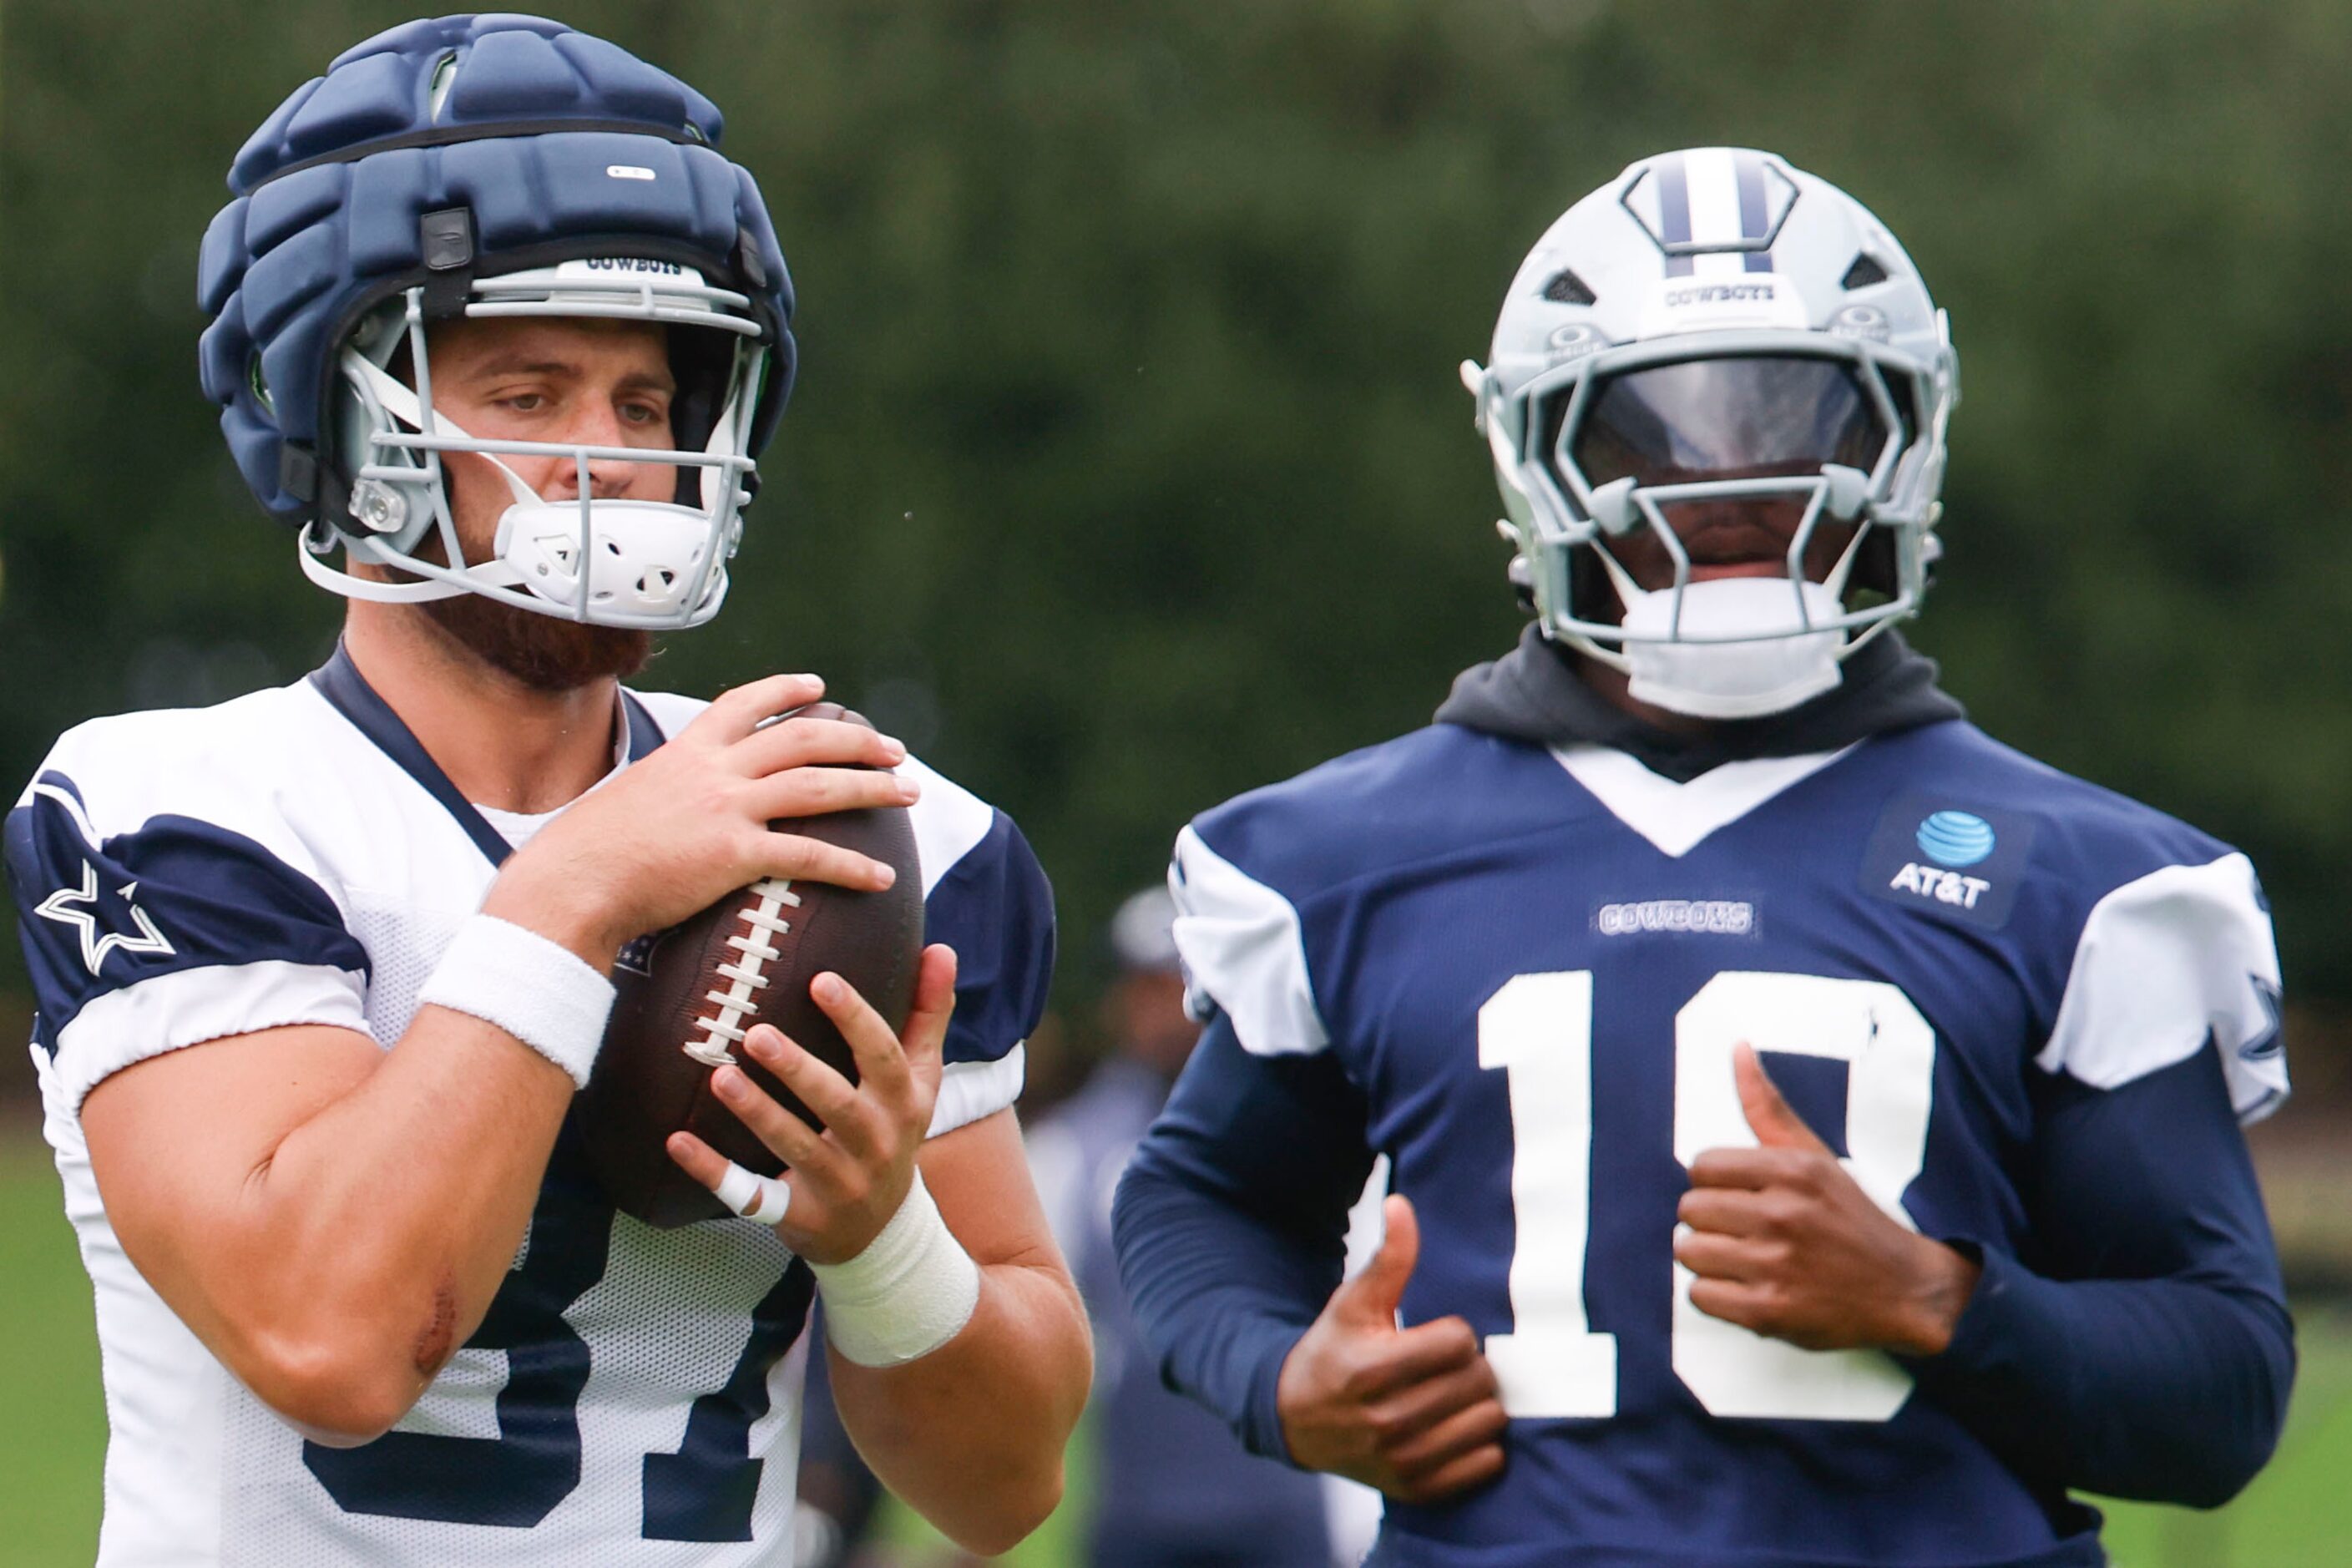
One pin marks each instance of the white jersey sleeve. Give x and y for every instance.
(1244, 953)
(163, 900)
(2165, 963)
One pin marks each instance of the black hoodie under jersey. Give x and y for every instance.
(1534, 693)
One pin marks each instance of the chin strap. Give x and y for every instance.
(315, 568)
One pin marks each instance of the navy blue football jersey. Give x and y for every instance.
(1532, 968)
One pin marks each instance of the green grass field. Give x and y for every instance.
(53, 1426)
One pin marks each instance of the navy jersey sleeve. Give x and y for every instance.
(171, 930)
(1231, 1222)
(994, 907)
(2143, 1349)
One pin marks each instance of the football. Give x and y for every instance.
(685, 998)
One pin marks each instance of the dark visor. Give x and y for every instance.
(1754, 417)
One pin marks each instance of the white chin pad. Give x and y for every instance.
(1761, 659)
(644, 557)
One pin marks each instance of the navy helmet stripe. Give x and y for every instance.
(1674, 211)
(1749, 170)
(1755, 221)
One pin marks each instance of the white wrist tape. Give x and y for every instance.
(539, 990)
(908, 1293)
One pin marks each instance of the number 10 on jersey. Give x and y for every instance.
(1537, 1031)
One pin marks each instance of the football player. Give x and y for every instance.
(1815, 1126)
(320, 968)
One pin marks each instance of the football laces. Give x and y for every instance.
(738, 1006)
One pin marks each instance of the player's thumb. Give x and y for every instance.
(1371, 1299)
(1770, 1117)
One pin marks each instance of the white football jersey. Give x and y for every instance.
(632, 1397)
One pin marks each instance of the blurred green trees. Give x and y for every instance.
(1128, 468)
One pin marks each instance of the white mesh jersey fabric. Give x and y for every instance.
(667, 1322)
(642, 1402)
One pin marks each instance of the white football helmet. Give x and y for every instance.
(609, 562)
(1712, 325)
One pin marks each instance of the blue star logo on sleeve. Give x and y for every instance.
(99, 926)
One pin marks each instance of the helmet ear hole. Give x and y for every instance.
(1905, 390)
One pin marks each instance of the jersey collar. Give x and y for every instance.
(347, 690)
(1534, 694)
(1678, 815)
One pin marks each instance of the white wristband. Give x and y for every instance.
(539, 990)
(908, 1293)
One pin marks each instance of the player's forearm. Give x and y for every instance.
(971, 1435)
(1220, 1296)
(2154, 1389)
(2159, 1367)
(1231, 1223)
(402, 1200)
(369, 1243)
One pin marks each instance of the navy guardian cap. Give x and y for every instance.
(486, 166)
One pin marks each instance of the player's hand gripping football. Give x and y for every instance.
(1413, 1412)
(689, 824)
(1785, 1242)
(848, 1180)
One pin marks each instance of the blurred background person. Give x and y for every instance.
(1173, 1488)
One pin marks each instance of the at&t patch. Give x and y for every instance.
(1949, 858)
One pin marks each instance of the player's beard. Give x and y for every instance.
(539, 652)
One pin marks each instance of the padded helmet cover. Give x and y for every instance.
(522, 122)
